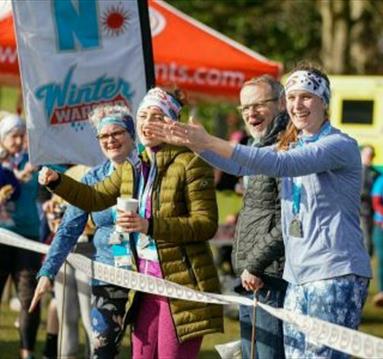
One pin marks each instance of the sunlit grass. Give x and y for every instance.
(9, 339)
(8, 98)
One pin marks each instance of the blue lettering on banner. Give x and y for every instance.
(80, 21)
(68, 102)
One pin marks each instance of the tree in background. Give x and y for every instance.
(272, 28)
(352, 35)
(344, 35)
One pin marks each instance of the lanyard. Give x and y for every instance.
(114, 208)
(145, 190)
(145, 243)
(120, 251)
(297, 181)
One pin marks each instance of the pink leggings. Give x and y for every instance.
(154, 335)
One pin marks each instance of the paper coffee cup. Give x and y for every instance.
(127, 204)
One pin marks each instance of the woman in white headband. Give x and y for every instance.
(177, 216)
(326, 262)
(22, 265)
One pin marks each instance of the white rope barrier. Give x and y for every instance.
(317, 331)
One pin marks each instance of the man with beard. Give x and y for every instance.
(258, 250)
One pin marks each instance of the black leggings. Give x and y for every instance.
(22, 265)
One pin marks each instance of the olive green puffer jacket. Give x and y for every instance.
(184, 213)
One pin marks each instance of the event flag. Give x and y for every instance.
(73, 56)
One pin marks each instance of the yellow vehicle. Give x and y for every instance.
(357, 109)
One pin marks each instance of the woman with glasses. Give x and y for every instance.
(177, 216)
(327, 266)
(116, 135)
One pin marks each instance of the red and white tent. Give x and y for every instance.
(9, 67)
(199, 59)
(187, 55)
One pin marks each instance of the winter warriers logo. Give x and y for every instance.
(69, 102)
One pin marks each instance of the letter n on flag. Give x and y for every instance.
(75, 55)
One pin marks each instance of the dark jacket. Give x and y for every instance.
(258, 243)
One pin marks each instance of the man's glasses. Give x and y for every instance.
(104, 137)
(261, 105)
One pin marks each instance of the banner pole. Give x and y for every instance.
(147, 47)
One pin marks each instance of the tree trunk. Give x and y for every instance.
(335, 35)
(351, 35)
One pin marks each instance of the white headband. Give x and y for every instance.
(310, 82)
(9, 123)
(167, 103)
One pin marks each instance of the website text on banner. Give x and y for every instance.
(317, 331)
(95, 52)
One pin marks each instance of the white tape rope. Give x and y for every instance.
(231, 350)
(332, 335)
(317, 331)
(148, 284)
(125, 278)
(14, 240)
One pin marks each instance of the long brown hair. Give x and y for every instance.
(290, 135)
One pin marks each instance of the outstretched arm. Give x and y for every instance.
(192, 135)
(225, 164)
(213, 150)
(71, 227)
(331, 152)
(89, 198)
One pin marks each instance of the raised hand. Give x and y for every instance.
(46, 176)
(192, 135)
(44, 285)
(162, 131)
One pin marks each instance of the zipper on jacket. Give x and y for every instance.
(155, 197)
(188, 264)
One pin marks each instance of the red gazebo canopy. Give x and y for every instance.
(187, 55)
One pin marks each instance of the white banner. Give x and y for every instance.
(317, 331)
(74, 55)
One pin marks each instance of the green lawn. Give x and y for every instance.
(8, 98)
(9, 341)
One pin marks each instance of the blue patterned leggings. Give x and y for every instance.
(339, 300)
(108, 320)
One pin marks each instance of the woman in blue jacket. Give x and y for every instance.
(327, 266)
(21, 264)
(116, 135)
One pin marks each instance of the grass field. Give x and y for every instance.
(9, 340)
(8, 98)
